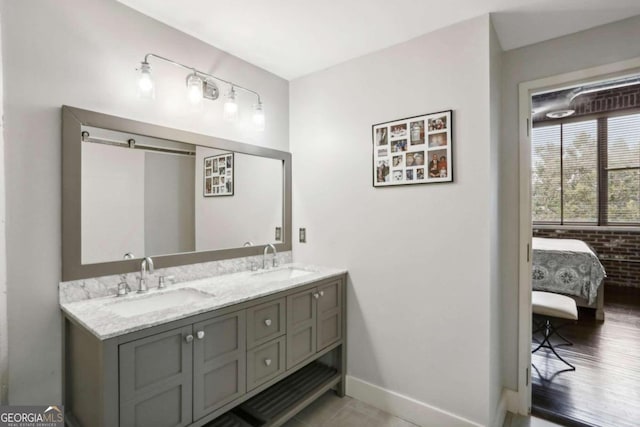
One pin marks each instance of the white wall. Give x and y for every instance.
(598, 46)
(251, 214)
(418, 256)
(113, 203)
(83, 53)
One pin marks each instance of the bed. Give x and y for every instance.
(569, 267)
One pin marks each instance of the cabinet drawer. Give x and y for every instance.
(265, 322)
(265, 362)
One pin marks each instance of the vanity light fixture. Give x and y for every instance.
(145, 82)
(201, 85)
(195, 90)
(258, 116)
(231, 106)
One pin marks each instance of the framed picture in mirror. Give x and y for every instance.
(218, 175)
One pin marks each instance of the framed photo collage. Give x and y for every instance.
(218, 175)
(416, 150)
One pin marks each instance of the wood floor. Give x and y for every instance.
(604, 390)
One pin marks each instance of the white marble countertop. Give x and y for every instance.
(99, 317)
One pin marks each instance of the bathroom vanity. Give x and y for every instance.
(243, 349)
(238, 341)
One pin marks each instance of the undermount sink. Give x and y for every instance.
(151, 302)
(282, 274)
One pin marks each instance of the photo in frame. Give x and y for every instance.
(218, 175)
(415, 150)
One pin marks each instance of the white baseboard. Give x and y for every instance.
(512, 401)
(501, 409)
(403, 406)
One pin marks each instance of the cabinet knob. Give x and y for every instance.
(321, 293)
(316, 295)
(267, 322)
(188, 338)
(267, 362)
(200, 334)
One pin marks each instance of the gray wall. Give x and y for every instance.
(169, 210)
(418, 256)
(83, 53)
(598, 46)
(4, 351)
(251, 214)
(112, 201)
(496, 355)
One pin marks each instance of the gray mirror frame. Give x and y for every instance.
(72, 121)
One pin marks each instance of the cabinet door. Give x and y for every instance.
(219, 362)
(329, 314)
(301, 327)
(155, 380)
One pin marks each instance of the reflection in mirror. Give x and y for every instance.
(150, 197)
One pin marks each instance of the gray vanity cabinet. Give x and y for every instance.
(314, 321)
(177, 377)
(219, 362)
(194, 370)
(156, 391)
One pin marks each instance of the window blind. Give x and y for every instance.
(623, 169)
(545, 174)
(580, 172)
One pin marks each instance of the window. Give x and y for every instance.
(623, 169)
(587, 172)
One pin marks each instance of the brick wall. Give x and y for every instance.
(619, 251)
(619, 99)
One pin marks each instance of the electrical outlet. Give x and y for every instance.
(303, 235)
(278, 234)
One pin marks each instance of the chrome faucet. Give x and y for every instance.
(264, 256)
(123, 286)
(253, 264)
(145, 266)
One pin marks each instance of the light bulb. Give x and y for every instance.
(146, 89)
(258, 116)
(230, 106)
(194, 90)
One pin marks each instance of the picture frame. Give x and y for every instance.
(218, 175)
(413, 150)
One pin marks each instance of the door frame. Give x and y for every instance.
(526, 89)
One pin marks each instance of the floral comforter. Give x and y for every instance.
(566, 266)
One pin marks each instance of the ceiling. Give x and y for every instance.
(292, 38)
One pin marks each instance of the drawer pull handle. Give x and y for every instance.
(267, 362)
(267, 322)
(200, 335)
(188, 338)
(316, 295)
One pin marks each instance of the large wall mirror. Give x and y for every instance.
(179, 197)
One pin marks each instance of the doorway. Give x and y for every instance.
(585, 185)
(527, 90)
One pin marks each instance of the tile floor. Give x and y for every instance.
(332, 411)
